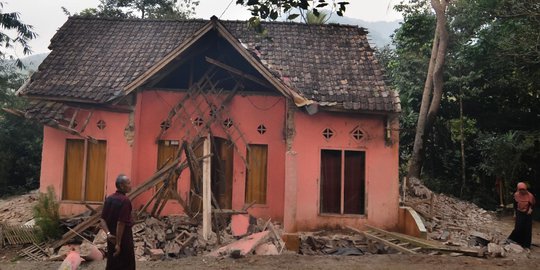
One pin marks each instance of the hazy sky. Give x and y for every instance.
(47, 16)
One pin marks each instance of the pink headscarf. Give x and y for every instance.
(523, 200)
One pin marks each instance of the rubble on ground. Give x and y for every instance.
(18, 209)
(179, 236)
(458, 223)
(237, 234)
(336, 243)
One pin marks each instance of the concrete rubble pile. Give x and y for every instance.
(18, 210)
(178, 236)
(458, 223)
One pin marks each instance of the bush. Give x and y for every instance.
(47, 216)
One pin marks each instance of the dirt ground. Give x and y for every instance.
(525, 260)
(379, 262)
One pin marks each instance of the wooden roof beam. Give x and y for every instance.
(237, 72)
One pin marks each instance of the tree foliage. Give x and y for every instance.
(144, 9)
(493, 67)
(20, 141)
(23, 34)
(271, 9)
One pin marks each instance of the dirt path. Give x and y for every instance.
(375, 262)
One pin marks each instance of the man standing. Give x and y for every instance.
(523, 205)
(116, 221)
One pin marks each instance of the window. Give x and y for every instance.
(84, 170)
(342, 182)
(256, 177)
(166, 154)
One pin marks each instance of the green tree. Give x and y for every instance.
(491, 81)
(23, 33)
(272, 9)
(433, 88)
(144, 9)
(320, 18)
(20, 141)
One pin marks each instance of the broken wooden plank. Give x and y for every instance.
(414, 240)
(237, 72)
(383, 241)
(249, 205)
(143, 209)
(72, 121)
(83, 128)
(389, 244)
(229, 212)
(277, 237)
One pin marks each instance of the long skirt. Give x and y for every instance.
(126, 259)
(522, 233)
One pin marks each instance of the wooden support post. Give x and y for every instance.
(207, 191)
(73, 118)
(166, 195)
(86, 121)
(143, 209)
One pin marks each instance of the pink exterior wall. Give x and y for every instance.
(247, 111)
(381, 168)
(54, 147)
(300, 208)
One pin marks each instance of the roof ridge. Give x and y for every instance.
(326, 25)
(91, 18)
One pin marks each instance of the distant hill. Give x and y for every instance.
(379, 32)
(32, 62)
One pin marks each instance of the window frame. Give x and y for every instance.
(84, 173)
(342, 183)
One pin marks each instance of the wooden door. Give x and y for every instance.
(95, 171)
(73, 170)
(221, 175)
(222, 172)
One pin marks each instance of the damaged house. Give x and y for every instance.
(296, 121)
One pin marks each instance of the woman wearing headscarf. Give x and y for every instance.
(523, 205)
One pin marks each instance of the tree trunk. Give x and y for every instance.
(431, 97)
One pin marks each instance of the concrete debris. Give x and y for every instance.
(513, 248)
(460, 223)
(90, 252)
(495, 250)
(155, 254)
(71, 262)
(239, 224)
(245, 245)
(336, 243)
(18, 210)
(452, 220)
(266, 249)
